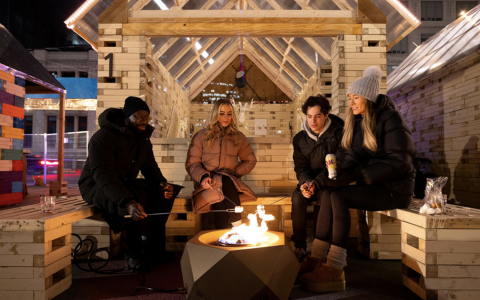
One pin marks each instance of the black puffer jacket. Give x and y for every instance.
(116, 156)
(309, 155)
(391, 165)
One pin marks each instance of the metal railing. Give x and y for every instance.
(43, 159)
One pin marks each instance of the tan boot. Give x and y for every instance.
(325, 279)
(309, 265)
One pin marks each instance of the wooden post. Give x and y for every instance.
(61, 136)
(60, 187)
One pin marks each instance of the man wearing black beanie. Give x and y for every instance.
(117, 153)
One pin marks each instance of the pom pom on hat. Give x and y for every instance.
(373, 71)
(367, 86)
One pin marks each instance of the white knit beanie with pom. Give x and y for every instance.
(367, 86)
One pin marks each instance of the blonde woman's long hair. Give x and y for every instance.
(368, 128)
(214, 129)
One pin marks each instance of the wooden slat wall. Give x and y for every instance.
(12, 98)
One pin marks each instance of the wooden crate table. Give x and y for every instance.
(35, 260)
(441, 253)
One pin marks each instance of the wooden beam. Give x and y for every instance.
(319, 49)
(288, 58)
(370, 13)
(191, 60)
(304, 4)
(117, 12)
(140, 4)
(61, 136)
(210, 56)
(247, 16)
(172, 41)
(280, 63)
(225, 59)
(343, 4)
(304, 56)
(274, 4)
(181, 53)
(279, 83)
(197, 55)
(240, 29)
(269, 70)
(252, 50)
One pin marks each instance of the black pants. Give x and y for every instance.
(153, 200)
(299, 216)
(223, 220)
(334, 217)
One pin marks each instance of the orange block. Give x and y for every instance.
(7, 77)
(17, 165)
(6, 199)
(13, 111)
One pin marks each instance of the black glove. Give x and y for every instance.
(136, 210)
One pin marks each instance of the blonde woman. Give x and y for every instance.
(212, 162)
(378, 156)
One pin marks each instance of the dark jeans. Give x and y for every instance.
(299, 216)
(153, 200)
(334, 216)
(223, 220)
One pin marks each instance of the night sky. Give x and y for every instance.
(38, 24)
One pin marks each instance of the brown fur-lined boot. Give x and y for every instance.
(309, 265)
(325, 279)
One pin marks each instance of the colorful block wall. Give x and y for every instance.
(12, 98)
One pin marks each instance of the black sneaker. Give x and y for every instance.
(300, 254)
(136, 263)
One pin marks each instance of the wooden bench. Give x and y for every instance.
(441, 253)
(35, 249)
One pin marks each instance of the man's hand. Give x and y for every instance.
(207, 183)
(168, 190)
(308, 189)
(136, 210)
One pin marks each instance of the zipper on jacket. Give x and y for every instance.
(220, 156)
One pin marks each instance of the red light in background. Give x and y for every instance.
(49, 163)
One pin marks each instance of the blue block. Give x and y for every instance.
(0, 130)
(1, 107)
(17, 144)
(18, 123)
(19, 101)
(1, 84)
(20, 81)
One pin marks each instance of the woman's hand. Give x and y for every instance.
(308, 189)
(207, 183)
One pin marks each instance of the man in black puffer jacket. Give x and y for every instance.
(117, 153)
(321, 135)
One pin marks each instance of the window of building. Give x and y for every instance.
(51, 124)
(464, 6)
(82, 123)
(83, 74)
(390, 69)
(432, 10)
(400, 47)
(68, 74)
(69, 124)
(28, 124)
(426, 36)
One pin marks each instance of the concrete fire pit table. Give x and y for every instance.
(266, 271)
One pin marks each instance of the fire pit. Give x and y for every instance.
(264, 271)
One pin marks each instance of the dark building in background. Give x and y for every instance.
(39, 23)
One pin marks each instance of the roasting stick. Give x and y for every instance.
(237, 209)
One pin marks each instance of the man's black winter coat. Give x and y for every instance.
(309, 155)
(391, 165)
(116, 156)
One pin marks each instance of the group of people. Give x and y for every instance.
(373, 147)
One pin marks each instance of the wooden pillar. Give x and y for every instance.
(351, 55)
(59, 187)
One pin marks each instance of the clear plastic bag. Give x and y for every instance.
(434, 201)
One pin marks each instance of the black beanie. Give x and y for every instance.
(134, 104)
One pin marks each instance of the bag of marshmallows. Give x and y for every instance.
(434, 201)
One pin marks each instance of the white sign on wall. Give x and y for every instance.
(260, 126)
